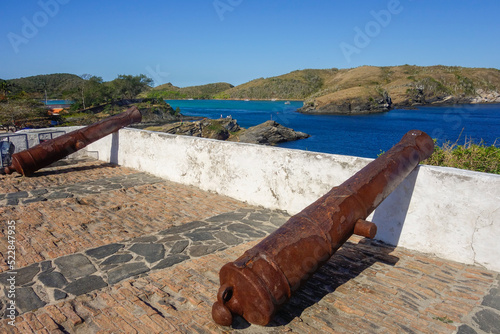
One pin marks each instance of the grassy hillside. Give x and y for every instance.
(169, 91)
(297, 85)
(374, 89)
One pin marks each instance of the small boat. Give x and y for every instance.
(287, 102)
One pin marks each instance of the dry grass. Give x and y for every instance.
(329, 85)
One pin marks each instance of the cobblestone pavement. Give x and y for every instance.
(105, 249)
(98, 204)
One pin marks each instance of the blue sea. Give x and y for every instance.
(57, 102)
(360, 135)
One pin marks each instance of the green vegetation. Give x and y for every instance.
(476, 157)
(20, 104)
(444, 319)
(93, 91)
(129, 86)
(54, 86)
(166, 95)
(18, 113)
(215, 127)
(169, 91)
(297, 85)
(86, 90)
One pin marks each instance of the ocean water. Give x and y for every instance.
(52, 102)
(360, 135)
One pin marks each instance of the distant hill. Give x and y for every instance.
(56, 85)
(370, 89)
(169, 91)
(365, 89)
(297, 85)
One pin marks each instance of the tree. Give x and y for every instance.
(92, 91)
(5, 88)
(85, 78)
(129, 86)
(16, 113)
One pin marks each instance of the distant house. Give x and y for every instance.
(57, 109)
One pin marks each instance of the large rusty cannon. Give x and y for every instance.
(259, 282)
(29, 161)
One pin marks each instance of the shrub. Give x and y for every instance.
(476, 157)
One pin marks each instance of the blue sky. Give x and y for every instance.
(195, 42)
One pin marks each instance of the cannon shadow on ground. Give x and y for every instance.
(346, 264)
(72, 167)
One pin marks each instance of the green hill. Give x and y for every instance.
(169, 91)
(297, 85)
(56, 85)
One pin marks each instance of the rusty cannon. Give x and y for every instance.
(263, 279)
(29, 161)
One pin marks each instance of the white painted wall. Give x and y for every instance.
(450, 213)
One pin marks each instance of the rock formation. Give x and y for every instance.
(267, 133)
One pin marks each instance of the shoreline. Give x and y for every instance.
(395, 107)
(244, 100)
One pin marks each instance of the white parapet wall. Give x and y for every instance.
(447, 212)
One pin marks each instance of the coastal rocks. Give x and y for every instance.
(486, 97)
(419, 98)
(416, 96)
(207, 128)
(349, 106)
(269, 133)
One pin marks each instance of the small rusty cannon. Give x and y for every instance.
(29, 161)
(259, 282)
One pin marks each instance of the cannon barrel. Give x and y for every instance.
(265, 276)
(29, 161)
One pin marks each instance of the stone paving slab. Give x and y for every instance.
(78, 189)
(61, 175)
(97, 210)
(80, 273)
(366, 287)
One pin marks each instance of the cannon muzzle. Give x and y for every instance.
(259, 282)
(29, 161)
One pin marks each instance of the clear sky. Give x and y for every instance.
(193, 42)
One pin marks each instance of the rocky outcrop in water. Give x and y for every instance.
(207, 128)
(267, 133)
(349, 106)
